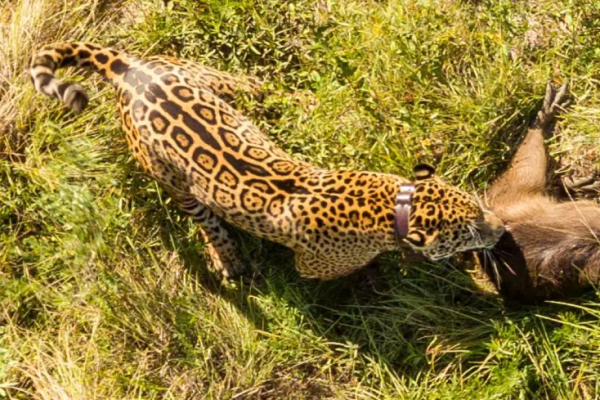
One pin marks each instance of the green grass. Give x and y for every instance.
(103, 290)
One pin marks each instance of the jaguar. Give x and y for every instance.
(224, 172)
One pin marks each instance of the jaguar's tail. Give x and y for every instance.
(109, 63)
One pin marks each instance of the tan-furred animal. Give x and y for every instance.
(219, 168)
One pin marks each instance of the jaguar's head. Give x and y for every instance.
(445, 220)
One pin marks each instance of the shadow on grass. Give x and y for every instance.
(409, 317)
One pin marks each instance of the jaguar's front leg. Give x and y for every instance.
(325, 266)
(220, 248)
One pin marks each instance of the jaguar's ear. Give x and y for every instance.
(419, 238)
(423, 171)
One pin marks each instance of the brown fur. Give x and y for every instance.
(551, 248)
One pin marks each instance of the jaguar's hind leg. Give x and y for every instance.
(223, 84)
(221, 250)
(227, 86)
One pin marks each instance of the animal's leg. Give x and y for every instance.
(224, 84)
(526, 174)
(311, 265)
(221, 249)
(587, 185)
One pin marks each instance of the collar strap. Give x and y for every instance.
(402, 210)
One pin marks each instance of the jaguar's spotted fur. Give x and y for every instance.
(219, 167)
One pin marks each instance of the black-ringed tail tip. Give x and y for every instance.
(72, 94)
(49, 60)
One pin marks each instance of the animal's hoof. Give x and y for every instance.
(587, 186)
(554, 102)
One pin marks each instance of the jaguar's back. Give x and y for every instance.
(218, 166)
